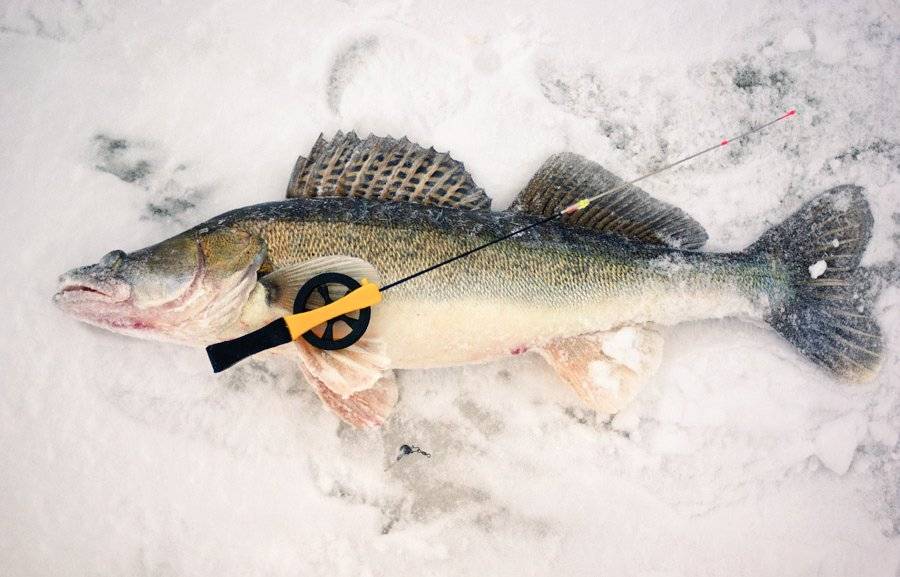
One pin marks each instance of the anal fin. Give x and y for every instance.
(606, 369)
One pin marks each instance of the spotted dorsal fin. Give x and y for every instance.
(384, 168)
(632, 213)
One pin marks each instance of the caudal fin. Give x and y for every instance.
(827, 313)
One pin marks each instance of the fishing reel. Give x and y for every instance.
(331, 312)
(324, 289)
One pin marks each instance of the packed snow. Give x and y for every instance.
(124, 123)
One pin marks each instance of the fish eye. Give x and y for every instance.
(112, 258)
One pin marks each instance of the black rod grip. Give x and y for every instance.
(225, 354)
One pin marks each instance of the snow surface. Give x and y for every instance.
(123, 123)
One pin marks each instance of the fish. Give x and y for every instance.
(588, 292)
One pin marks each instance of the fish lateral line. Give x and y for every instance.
(360, 297)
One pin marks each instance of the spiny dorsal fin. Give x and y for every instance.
(383, 168)
(632, 213)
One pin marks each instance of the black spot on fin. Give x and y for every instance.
(828, 313)
(632, 213)
(384, 168)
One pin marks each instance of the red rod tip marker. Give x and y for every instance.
(724, 142)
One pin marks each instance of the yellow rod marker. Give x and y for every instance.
(366, 295)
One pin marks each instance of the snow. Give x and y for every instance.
(836, 441)
(602, 375)
(796, 41)
(818, 268)
(125, 122)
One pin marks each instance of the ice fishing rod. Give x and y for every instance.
(360, 297)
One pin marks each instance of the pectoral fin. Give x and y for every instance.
(356, 383)
(346, 371)
(283, 284)
(606, 369)
(367, 408)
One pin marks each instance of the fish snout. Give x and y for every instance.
(79, 286)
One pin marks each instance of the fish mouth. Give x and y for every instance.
(81, 290)
(102, 303)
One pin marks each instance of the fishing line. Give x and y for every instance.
(585, 202)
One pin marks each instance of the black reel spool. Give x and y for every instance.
(323, 286)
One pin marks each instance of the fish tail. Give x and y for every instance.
(827, 310)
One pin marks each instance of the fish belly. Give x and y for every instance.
(423, 334)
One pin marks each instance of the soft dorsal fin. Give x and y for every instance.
(383, 168)
(632, 213)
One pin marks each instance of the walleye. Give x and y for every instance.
(584, 292)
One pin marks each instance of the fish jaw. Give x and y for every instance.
(200, 315)
(102, 302)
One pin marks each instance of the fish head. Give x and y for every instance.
(190, 288)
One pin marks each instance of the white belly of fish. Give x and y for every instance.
(423, 334)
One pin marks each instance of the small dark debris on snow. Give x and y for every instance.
(410, 449)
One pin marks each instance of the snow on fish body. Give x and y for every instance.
(584, 293)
